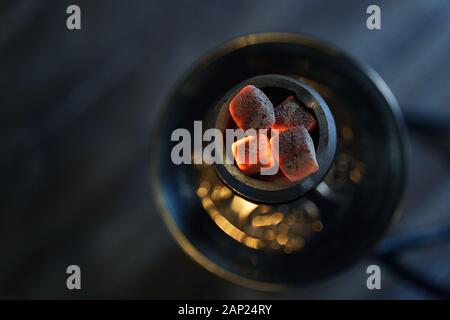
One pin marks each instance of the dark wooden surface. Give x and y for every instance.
(77, 109)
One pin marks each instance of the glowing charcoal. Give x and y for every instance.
(295, 155)
(290, 113)
(252, 153)
(250, 108)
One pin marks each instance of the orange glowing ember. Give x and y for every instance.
(290, 114)
(252, 109)
(252, 153)
(296, 155)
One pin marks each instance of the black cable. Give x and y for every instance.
(413, 240)
(431, 125)
(420, 279)
(390, 250)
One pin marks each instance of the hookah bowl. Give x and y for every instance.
(272, 236)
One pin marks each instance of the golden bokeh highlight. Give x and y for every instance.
(283, 228)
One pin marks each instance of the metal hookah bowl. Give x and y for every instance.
(275, 235)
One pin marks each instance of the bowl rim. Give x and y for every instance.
(281, 190)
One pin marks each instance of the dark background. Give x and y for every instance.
(77, 110)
